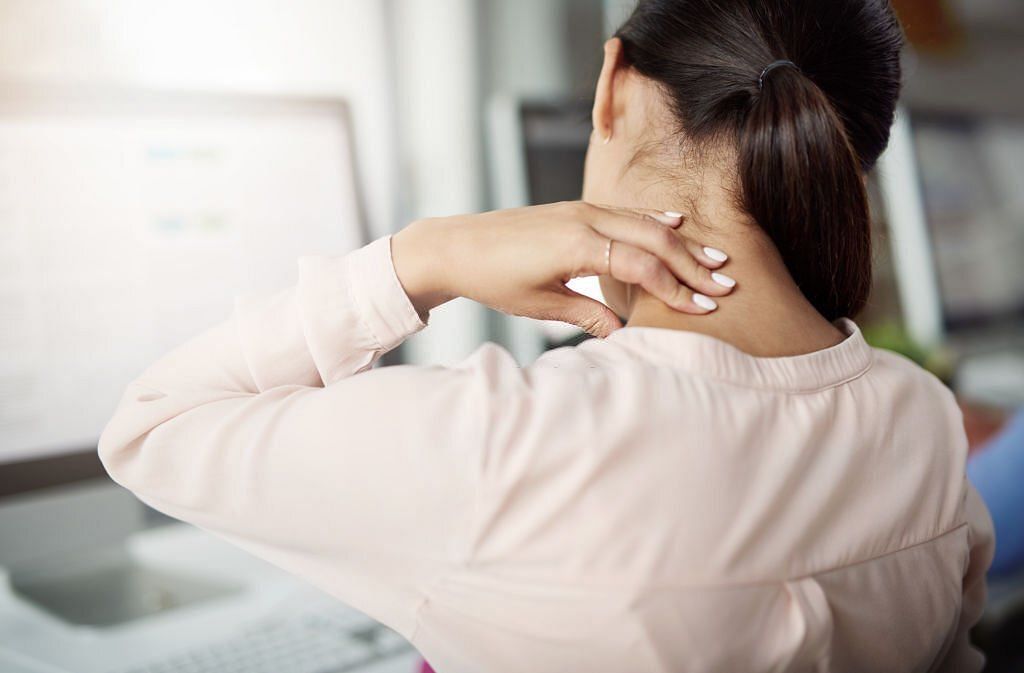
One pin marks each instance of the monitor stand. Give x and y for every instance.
(109, 588)
(65, 552)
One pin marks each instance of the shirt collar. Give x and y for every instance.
(710, 357)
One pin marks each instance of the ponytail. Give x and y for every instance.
(805, 132)
(802, 183)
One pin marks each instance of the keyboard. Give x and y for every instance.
(325, 641)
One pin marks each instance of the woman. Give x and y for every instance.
(728, 483)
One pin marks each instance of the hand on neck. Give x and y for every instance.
(767, 315)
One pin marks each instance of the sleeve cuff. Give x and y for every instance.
(379, 296)
(345, 312)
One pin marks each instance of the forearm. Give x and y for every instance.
(343, 314)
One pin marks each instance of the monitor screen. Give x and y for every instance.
(556, 137)
(129, 225)
(970, 179)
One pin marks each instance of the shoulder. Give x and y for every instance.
(924, 429)
(912, 382)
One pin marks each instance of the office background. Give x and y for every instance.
(157, 158)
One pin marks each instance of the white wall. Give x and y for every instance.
(307, 47)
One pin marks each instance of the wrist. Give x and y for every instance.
(418, 253)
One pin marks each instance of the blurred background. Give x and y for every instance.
(159, 158)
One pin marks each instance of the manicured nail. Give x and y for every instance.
(673, 214)
(716, 254)
(673, 220)
(723, 280)
(705, 302)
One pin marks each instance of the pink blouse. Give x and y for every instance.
(654, 502)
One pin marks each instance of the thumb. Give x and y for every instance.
(588, 314)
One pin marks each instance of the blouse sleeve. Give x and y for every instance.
(962, 655)
(271, 430)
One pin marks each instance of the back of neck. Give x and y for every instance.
(765, 316)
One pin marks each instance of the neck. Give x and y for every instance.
(766, 315)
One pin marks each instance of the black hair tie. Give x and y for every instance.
(772, 66)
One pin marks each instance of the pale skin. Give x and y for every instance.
(664, 270)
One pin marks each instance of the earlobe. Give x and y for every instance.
(604, 96)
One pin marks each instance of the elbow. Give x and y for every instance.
(117, 453)
(121, 443)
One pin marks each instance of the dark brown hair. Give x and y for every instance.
(805, 136)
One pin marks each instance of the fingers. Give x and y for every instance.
(630, 264)
(589, 315)
(668, 218)
(709, 257)
(690, 262)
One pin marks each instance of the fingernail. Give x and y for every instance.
(716, 254)
(705, 302)
(723, 280)
(669, 219)
(673, 219)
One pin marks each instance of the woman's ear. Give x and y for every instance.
(604, 97)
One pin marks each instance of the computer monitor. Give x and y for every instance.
(555, 139)
(969, 168)
(129, 221)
